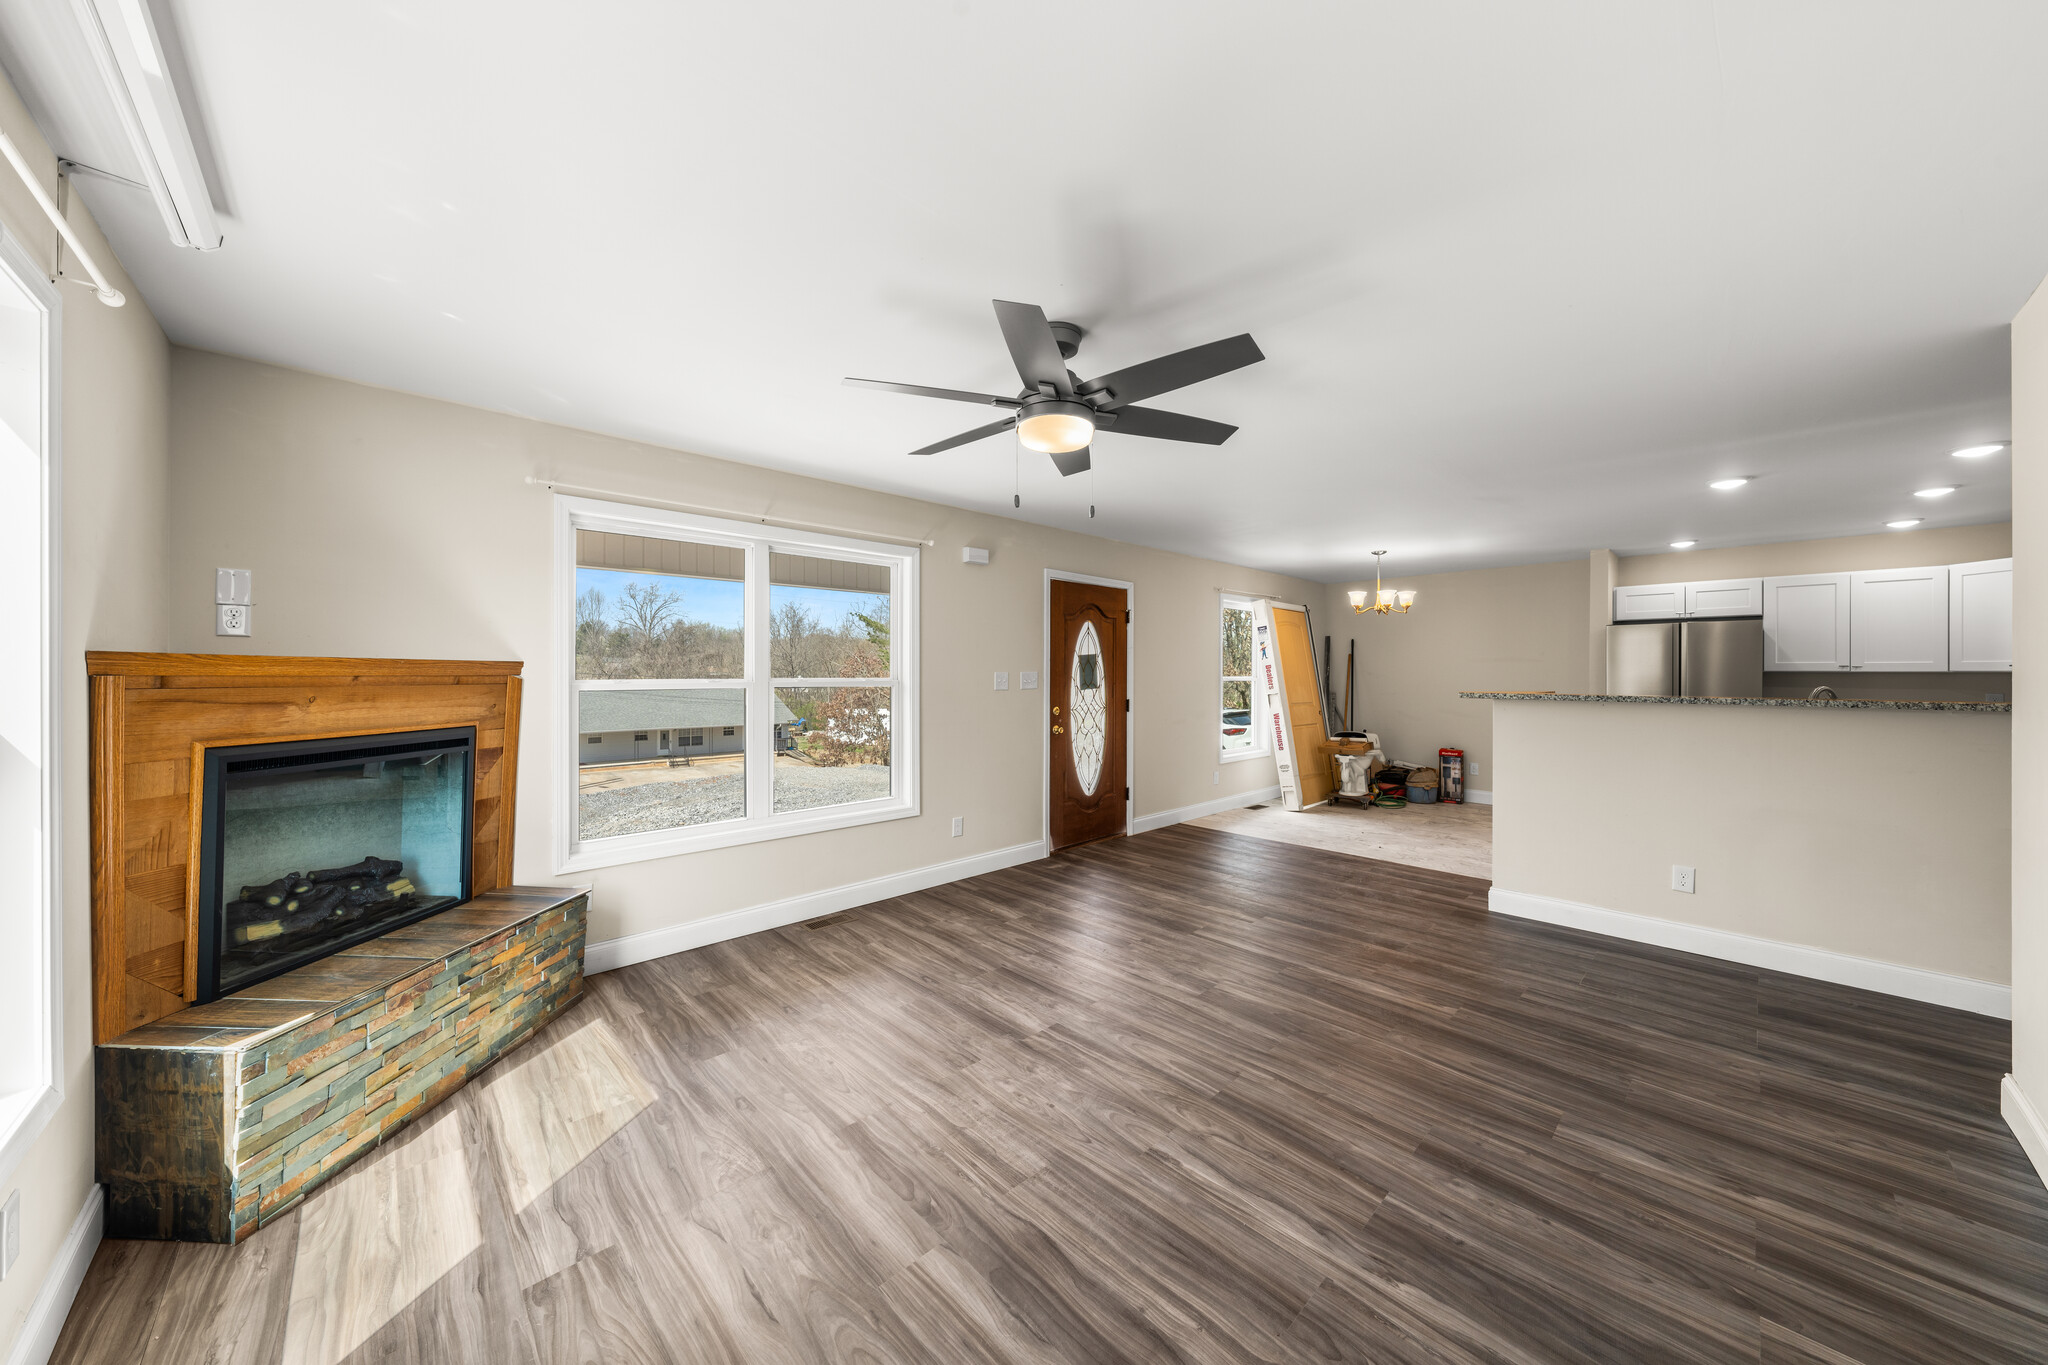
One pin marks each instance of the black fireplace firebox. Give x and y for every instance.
(308, 847)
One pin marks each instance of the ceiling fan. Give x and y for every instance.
(1059, 414)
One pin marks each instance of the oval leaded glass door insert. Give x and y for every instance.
(1089, 710)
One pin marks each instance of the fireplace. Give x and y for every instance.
(307, 847)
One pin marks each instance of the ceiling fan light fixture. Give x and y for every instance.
(1056, 428)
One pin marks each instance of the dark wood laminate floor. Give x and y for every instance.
(1184, 1097)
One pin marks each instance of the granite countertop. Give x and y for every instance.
(1839, 704)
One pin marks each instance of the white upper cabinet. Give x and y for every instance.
(1806, 623)
(1980, 616)
(1726, 597)
(1651, 602)
(1898, 620)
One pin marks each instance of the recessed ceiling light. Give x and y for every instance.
(1683, 544)
(1978, 452)
(1902, 525)
(1934, 492)
(1725, 485)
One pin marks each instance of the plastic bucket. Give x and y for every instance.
(1422, 796)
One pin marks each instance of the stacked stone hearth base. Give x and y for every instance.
(216, 1119)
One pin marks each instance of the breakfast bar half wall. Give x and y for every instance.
(1861, 842)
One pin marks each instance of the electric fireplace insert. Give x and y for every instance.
(311, 846)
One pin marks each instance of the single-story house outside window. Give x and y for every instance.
(629, 725)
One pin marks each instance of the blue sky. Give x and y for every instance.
(722, 602)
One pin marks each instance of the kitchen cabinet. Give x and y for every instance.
(1898, 620)
(1980, 616)
(1650, 602)
(1725, 597)
(1806, 623)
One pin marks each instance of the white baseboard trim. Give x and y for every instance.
(39, 1331)
(2026, 1125)
(1889, 978)
(1479, 798)
(609, 953)
(1161, 819)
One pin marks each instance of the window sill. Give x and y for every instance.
(1240, 755)
(23, 1116)
(638, 848)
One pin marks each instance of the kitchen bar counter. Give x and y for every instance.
(1838, 704)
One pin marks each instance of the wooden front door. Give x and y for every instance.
(1089, 703)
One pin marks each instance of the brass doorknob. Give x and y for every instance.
(1055, 710)
(1057, 730)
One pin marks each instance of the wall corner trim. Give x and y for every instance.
(1161, 819)
(52, 1303)
(1794, 959)
(2025, 1122)
(611, 953)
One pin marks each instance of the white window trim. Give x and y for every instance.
(26, 1110)
(1225, 601)
(575, 855)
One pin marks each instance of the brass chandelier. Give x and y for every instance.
(1384, 600)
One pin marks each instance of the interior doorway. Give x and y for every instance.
(1088, 725)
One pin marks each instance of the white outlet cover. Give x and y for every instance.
(10, 1232)
(230, 620)
(959, 825)
(233, 586)
(1002, 682)
(1683, 878)
(1027, 681)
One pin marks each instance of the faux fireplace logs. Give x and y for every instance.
(373, 887)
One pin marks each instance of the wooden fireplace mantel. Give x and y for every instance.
(153, 716)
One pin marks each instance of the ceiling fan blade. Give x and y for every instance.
(922, 391)
(1072, 462)
(1176, 371)
(1169, 426)
(1033, 346)
(967, 437)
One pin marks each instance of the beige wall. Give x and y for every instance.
(1877, 834)
(1843, 554)
(114, 371)
(2030, 702)
(380, 523)
(1521, 629)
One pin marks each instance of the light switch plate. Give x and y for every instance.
(1002, 682)
(233, 586)
(959, 825)
(10, 1232)
(230, 620)
(1027, 681)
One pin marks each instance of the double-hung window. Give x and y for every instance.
(1240, 735)
(31, 1004)
(783, 662)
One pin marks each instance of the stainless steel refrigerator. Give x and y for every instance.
(1720, 658)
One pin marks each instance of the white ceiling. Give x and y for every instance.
(1527, 276)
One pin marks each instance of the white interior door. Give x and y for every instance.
(1898, 620)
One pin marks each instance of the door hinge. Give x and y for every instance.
(1127, 706)
(1127, 618)
(1127, 793)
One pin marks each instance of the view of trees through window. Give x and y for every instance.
(1239, 734)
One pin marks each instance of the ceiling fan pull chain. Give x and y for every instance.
(1016, 457)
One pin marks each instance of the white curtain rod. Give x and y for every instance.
(108, 295)
(787, 522)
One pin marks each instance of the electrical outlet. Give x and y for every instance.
(10, 1232)
(1216, 778)
(1682, 878)
(1027, 681)
(959, 825)
(1002, 682)
(230, 619)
